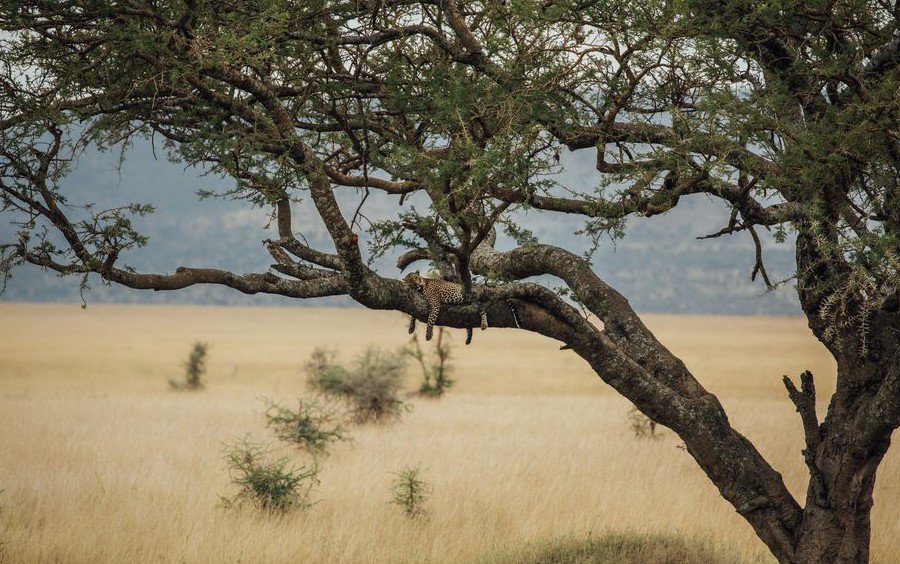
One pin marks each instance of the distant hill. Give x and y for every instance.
(659, 266)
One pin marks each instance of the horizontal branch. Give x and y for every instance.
(369, 181)
(184, 277)
(702, 143)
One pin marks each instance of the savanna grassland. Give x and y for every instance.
(102, 462)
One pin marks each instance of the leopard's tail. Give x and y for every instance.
(515, 313)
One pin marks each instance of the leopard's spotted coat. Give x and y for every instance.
(438, 292)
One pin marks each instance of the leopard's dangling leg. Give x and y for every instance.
(434, 309)
(484, 325)
(412, 325)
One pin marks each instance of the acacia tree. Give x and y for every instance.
(786, 111)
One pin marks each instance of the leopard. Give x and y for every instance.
(438, 292)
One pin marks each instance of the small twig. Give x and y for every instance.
(732, 227)
(357, 214)
(759, 267)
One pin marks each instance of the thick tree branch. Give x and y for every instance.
(184, 277)
(628, 357)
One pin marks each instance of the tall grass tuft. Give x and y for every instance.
(325, 374)
(411, 493)
(194, 369)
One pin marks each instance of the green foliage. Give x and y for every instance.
(272, 485)
(436, 369)
(522, 236)
(654, 90)
(314, 426)
(411, 492)
(371, 385)
(873, 273)
(194, 369)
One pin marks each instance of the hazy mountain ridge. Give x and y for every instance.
(659, 266)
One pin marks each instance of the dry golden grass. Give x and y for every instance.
(101, 462)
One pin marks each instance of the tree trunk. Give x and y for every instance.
(836, 525)
(835, 535)
(839, 529)
(844, 452)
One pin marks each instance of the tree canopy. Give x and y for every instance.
(785, 111)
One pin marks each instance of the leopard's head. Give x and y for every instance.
(414, 280)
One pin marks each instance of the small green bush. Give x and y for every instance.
(371, 385)
(270, 485)
(313, 426)
(194, 369)
(375, 381)
(435, 370)
(411, 492)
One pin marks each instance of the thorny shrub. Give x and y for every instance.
(371, 385)
(273, 485)
(314, 425)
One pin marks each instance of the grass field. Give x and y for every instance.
(101, 462)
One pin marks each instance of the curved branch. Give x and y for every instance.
(289, 242)
(412, 256)
(621, 323)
